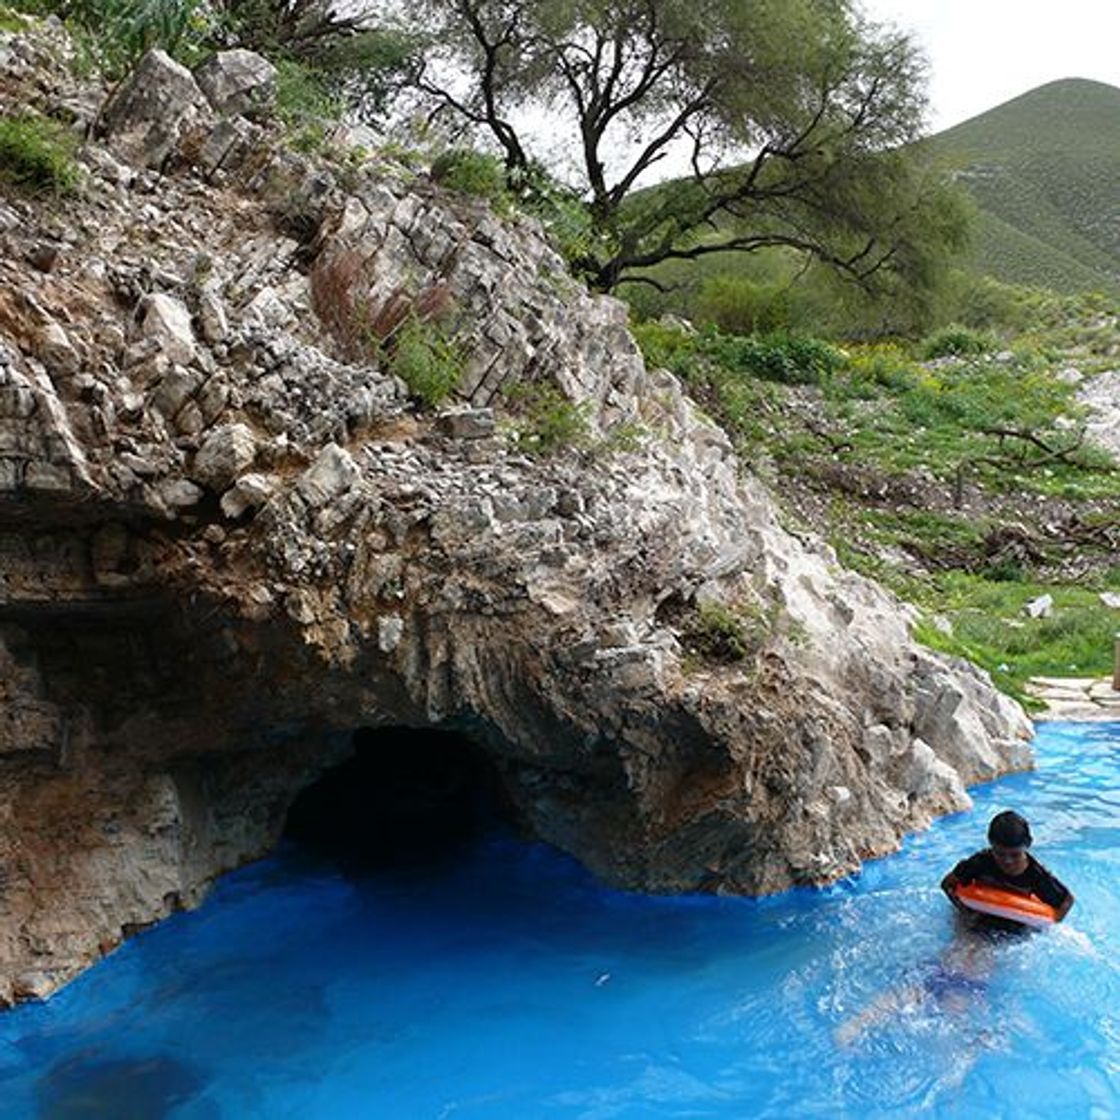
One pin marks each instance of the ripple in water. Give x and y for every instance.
(508, 984)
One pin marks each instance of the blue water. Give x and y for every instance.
(511, 985)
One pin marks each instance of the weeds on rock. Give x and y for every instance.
(727, 633)
(426, 359)
(545, 421)
(400, 329)
(37, 154)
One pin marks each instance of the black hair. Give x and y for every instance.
(1009, 830)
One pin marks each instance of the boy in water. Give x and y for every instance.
(960, 975)
(1008, 864)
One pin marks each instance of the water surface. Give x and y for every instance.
(509, 984)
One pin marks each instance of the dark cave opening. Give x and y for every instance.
(406, 798)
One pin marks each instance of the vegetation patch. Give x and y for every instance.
(990, 627)
(545, 421)
(37, 154)
(955, 341)
(305, 104)
(474, 173)
(727, 633)
(426, 359)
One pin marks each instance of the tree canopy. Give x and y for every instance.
(790, 122)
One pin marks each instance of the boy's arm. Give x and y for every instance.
(949, 885)
(962, 873)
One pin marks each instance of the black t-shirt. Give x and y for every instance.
(1036, 880)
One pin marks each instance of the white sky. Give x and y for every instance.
(984, 52)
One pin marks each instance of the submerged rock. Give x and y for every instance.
(225, 551)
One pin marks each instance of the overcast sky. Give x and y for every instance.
(984, 52)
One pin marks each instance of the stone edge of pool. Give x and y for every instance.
(1075, 698)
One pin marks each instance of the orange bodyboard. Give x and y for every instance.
(1023, 908)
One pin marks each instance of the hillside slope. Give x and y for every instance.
(1044, 169)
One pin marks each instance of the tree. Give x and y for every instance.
(792, 117)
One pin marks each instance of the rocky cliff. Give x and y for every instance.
(229, 538)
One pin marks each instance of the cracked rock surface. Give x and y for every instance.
(228, 540)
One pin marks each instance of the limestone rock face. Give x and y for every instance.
(237, 81)
(155, 110)
(229, 538)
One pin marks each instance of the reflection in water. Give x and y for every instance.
(87, 1087)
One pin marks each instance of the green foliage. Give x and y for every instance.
(727, 633)
(37, 154)
(356, 64)
(991, 628)
(874, 367)
(118, 32)
(1042, 169)
(305, 104)
(786, 358)
(546, 421)
(831, 176)
(563, 213)
(426, 359)
(781, 357)
(957, 342)
(11, 20)
(474, 173)
(741, 306)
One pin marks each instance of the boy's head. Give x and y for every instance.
(1010, 837)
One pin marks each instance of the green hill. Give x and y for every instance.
(1044, 169)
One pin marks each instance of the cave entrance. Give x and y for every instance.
(407, 797)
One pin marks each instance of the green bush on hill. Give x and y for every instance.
(956, 341)
(37, 154)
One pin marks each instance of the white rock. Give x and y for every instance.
(390, 629)
(332, 473)
(57, 351)
(1042, 607)
(250, 491)
(1110, 599)
(212, 316)
(237, 81)
(225, 453)
(179, 493)
(167, 320)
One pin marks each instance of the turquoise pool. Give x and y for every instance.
(511, 985)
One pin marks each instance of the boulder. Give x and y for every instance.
(166, 319)
(155, 111)
(227, 451)
(238, 82)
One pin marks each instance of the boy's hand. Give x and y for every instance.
(949, 885)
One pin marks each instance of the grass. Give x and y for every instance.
(881, 413)
(1042, 169)
(991, 628)
(37, 154)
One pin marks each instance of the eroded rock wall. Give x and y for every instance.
(227, 540)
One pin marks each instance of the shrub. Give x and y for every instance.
(727, 632)
(955, 341)
(426, 360)
(360, 322)
(564, 215)
(474, 173)
(546, 420)
(37, 154)
(786, 358)
(120, 31)
(741, 306)
(873, 368)
(304, 104)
